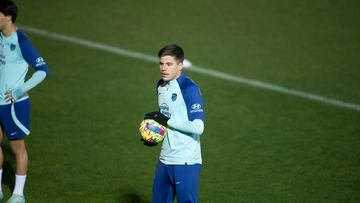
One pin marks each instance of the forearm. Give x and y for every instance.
(35, 79)
(192, 127)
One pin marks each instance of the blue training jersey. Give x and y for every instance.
(180, 100)
(16, 54)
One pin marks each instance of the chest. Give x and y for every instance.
(9, 51)
(170, 100)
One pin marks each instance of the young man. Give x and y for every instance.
(16, 54)
(181, 110)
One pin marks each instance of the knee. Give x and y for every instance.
(20, 151)
(18, 147)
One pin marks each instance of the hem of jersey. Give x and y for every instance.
(2, 102)
(179, 163)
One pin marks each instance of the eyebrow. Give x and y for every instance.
(165, 62)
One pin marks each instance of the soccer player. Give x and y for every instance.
(181, 110)
(16, 54)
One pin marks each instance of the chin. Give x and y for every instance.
(165, 78)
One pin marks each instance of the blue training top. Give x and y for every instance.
(180, 100)
(16, 54)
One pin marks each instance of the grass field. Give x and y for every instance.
(258, 145)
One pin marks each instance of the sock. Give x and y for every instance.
(1, 170)
(19, 185)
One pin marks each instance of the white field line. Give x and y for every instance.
(205, 71)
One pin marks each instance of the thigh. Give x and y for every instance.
(187, 182)
(18, 146)
(163, 190)
(3, 119)
(1, 133)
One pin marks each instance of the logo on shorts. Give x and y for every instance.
(12, 134)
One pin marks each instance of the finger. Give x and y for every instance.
(8, 97)
(149, 144)
(149, 115)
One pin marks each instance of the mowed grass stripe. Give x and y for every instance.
(194, 68)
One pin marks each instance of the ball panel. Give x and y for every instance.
(151, 131)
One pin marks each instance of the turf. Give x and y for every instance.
(258, 145)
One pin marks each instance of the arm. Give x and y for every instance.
(195, 122)
(35, 79)
(32, 57)
(193, 127)
(194, 105)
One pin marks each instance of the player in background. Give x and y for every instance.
(181, 110)
(16, 54)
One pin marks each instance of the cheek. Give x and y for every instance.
(2, 22)
(173, 70)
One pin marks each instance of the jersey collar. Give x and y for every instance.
(181, 78)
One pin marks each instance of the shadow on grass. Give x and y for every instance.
(8, 176)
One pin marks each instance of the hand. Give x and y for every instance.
(149, 144)
(158, 117)
(14, 95)
(9, 97)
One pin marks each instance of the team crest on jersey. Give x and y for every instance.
(12, 47)
(173, 96)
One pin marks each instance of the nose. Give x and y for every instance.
(163, 67)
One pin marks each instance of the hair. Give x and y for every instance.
(9, 8)
(172, 50)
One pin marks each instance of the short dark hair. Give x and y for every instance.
(172, 50)
(9, 8)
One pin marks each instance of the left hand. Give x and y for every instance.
(158, 117)
(149, 144)
(14, 94)
(9, 97)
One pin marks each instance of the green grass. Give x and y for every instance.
(258, 145)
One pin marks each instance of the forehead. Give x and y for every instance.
(167, 59)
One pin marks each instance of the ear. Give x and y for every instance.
(181, 66)
(8, 18)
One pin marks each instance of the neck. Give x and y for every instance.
(178, 75)
(8, 30)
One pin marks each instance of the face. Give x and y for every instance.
(3, 21)
(170, 69)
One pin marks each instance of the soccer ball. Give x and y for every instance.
(151, 131)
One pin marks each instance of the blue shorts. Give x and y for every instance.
(181, 181)
(15, 119)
